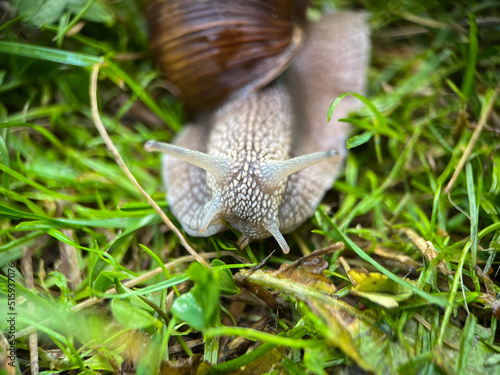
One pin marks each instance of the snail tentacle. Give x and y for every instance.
(187, 190)
(211, 210)
(218, 167)
(275, 232)
(276, 171)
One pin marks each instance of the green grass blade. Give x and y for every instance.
(337, 234)
(465, 345)
(169, 118)
(252, 334)
(471, 62)
(473, 214)
(73, 22)
(252, 355)
(49, 54)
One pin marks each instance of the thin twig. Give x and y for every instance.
(475, 136)
(27, 269)
(99, 125)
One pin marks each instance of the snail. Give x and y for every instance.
(263, 159)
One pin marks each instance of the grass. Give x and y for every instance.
(103, 285)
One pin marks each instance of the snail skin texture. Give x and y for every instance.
(263, 161)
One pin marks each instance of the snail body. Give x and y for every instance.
(264, 159)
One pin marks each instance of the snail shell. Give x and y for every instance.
(263, 161)
(209, 49)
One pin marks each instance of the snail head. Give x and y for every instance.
(246, 194)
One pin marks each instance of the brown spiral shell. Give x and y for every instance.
(209, 48)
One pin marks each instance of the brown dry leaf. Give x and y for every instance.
(397, 256)
(309, 272)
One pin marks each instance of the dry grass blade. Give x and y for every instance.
(69, 261)
(27, 268)
(102, 130)
(427, 249)
(485, 114)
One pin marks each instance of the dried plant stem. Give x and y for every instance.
(27, 269)
(485, 113)
(102, 130)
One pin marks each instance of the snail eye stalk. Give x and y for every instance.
(219, 168)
